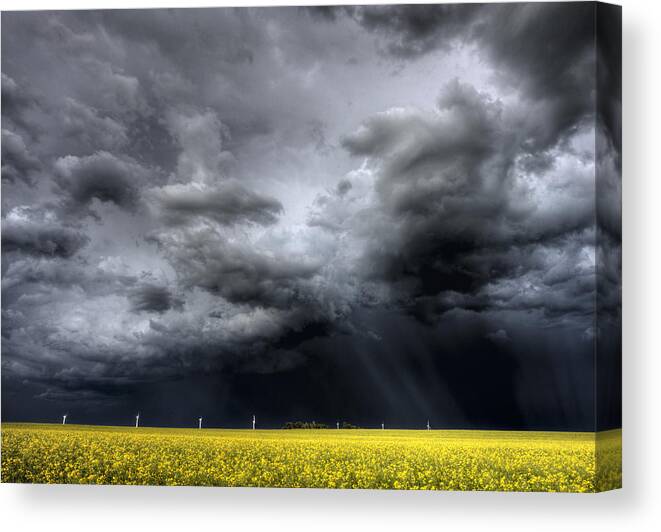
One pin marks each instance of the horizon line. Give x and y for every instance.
(307, 429)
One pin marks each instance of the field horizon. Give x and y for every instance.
(272, 429)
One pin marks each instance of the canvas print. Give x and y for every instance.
(369, 247)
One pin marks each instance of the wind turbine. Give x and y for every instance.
(137, 420)
(253, 422)
(199, 423)
(383, 426)
(428, 425)
(64, 419)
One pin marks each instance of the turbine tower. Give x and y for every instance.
(253, 422)
(199, 423)
(383, 426)
(64, 419)
(428, 425)
(137, 420)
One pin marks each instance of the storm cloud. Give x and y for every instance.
(100, 176)
(226, 204)
(37, 233)
(292, 209)
(441, 174)
(150, 297)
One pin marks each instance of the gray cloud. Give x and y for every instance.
(439, 176)
(37, 233)
(88, 130)
(227, 203)
(410, 31)
(151, 297)
(204, 258)
(543, 50)
(101, 176)
(17, 162)
(17, 102)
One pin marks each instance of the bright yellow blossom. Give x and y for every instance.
(370, 459)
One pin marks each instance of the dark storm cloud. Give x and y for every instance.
(101, 176)
(33, 233)
(150, 297)
(223, 36)
(203, 258)
(326, 13)
(48, 276)
(17, 101)
(439, 176)
(343, 187)
(254, 192)
(412, 30)
(13, 96)
(133, 91)
(548, 50)
(544, 50)
(423, 144)
(88, 129)
(228, 203)
(17, 162)
(56, 128)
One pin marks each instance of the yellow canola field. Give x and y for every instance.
(326, 458)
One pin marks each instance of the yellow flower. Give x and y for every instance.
(391, 459)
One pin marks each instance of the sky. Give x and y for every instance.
(367, 214)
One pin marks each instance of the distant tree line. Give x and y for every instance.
(314, 425)
(304, 425)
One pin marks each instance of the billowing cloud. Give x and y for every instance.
(89, 130)
(227, 203)
(30, 232)
(100, 176)
(200, 138)
(17, 162)
(410, 31)
(543, 51)
(440, 175)
(17, 103)
(152, 297)
(204, 258)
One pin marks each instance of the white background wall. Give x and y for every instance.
(636, 507)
